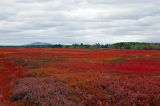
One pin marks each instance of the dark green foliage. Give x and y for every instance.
(137, 45)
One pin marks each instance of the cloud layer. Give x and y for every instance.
(75, 21)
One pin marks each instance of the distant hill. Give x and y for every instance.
(39, 44)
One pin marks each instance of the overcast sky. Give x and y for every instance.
(76, 21)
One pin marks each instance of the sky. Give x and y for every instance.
(79, 21)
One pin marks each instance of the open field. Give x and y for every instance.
(79, 77)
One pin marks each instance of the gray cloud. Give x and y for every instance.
(75, 21)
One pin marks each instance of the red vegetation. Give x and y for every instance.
(129, 90)
(8, 72)
(79, 77)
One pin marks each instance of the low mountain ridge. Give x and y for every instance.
(40, 43)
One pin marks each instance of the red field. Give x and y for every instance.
(79, 77)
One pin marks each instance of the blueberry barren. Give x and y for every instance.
(83, 77)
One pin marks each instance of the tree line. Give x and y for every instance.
(121, 45)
